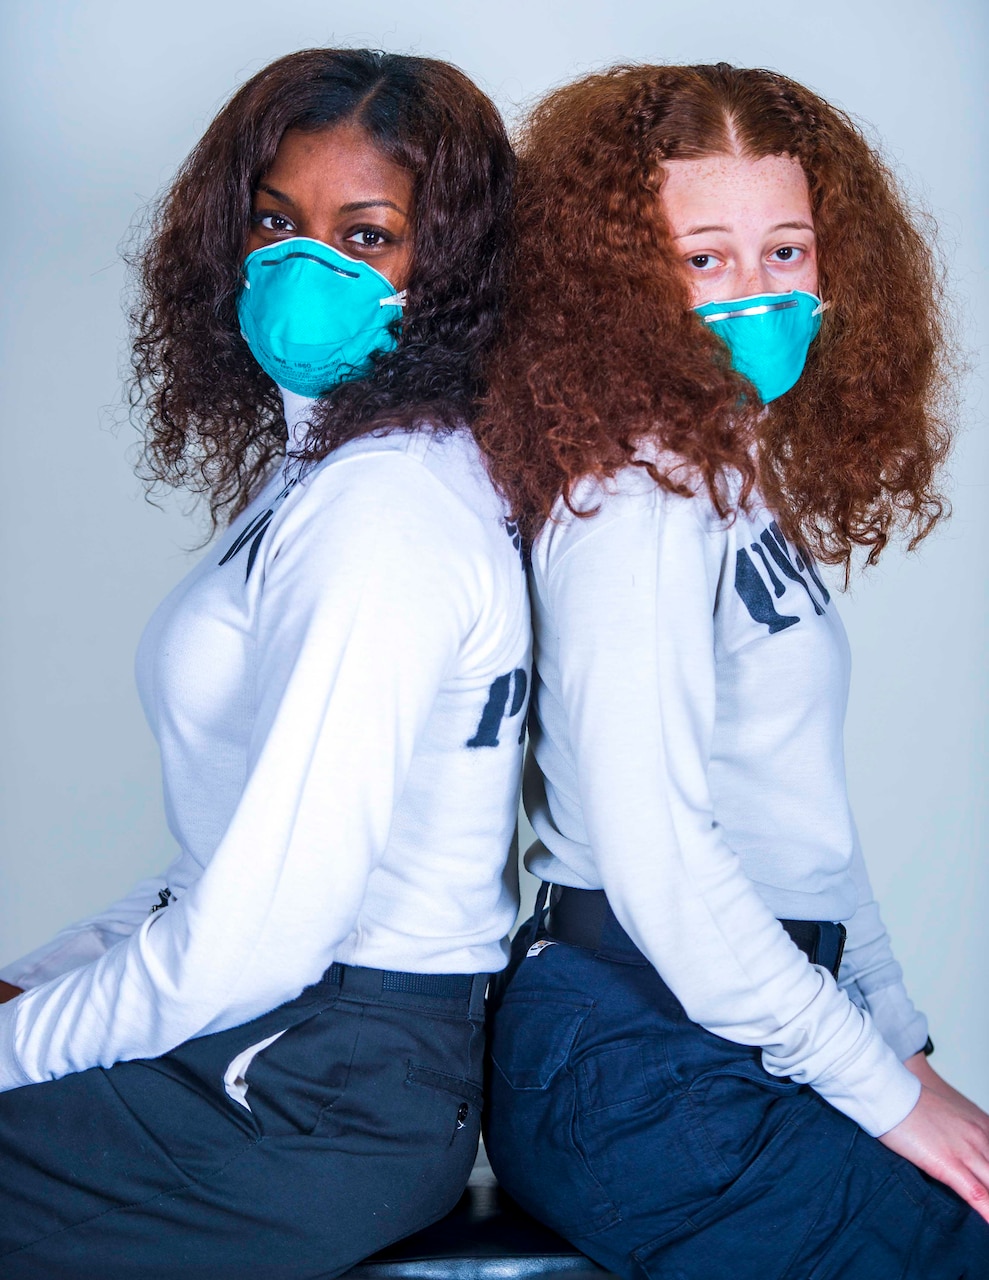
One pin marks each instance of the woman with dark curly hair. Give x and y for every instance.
(723, 360)
(196, 1079)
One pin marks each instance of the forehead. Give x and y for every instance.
(339, 164)
(720, 189)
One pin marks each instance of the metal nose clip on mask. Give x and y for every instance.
(768, 335)
(311, 316)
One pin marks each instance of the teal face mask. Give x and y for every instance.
(312, 316)
(768, 335)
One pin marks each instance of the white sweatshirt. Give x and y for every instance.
(687, 758)
(338, 691)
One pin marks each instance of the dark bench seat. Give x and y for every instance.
(486, 1237)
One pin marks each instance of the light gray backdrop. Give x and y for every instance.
(101, 100)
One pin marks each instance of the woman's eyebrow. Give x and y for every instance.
(699, 231)
(272, 191)
(780, 226)
(371, 204)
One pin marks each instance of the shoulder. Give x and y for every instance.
(414, 504)
(629, 513)
(425, 472)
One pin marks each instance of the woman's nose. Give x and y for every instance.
(757, 278)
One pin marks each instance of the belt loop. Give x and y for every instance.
(478, 992)
(538, 913)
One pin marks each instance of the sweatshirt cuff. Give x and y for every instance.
(877, 1094)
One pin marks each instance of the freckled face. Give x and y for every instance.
(337, 187)
(741, 226)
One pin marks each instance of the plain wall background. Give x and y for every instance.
(102, 99)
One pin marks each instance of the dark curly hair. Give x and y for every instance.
(601, 346)
(213, 419)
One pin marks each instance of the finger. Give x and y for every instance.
(972, 1187)
(980, 1202)
(979, 1174)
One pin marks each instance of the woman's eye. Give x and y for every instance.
(369, 238)
(273, 222)
(702, 261)
(787, 253)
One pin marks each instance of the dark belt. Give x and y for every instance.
(446, 986)
(453, 992)
(583, 918)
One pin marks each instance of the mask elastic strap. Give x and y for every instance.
(393, 300)
(823, 307)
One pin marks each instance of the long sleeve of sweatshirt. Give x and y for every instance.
(88, 939)
(871, 975)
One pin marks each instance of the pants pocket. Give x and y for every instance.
(758, 1220)
(532, 1112)
(613, 1077)
(734, 1102)
(235, 1077)
(532, 1037)
(188, 1099)
(299, 1075)
(460, 1100)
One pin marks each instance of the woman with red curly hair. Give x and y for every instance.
(268, 1061)
(723, 362)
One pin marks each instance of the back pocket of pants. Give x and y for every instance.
(463, 1098)
(533, 1036)
(613, 1077)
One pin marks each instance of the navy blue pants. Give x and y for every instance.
(361, 1126)
(661, 1150)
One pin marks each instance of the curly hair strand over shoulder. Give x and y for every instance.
(601, 348)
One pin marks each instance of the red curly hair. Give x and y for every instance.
(601, 346)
